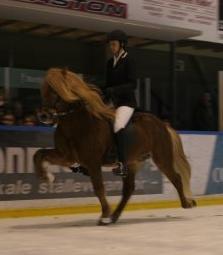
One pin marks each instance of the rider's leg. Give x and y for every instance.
(123, 115)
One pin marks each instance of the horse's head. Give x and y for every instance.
(53, 104)
(63, 89)
(51, 100)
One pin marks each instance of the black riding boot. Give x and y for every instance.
(122, 150)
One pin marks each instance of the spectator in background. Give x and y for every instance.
(18, 111)
(14, 114)
(30, 120)
(204, 115)
(215, 107)
(2, 105)
(8, 118)
(6, 114)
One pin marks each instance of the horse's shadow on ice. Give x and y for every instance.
(93, 222)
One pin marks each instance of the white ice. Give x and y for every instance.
(154, 232)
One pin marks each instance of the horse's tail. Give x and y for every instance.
(181, 164)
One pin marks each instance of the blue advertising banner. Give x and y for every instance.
(215, 180)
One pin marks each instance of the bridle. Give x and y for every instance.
(50, 115)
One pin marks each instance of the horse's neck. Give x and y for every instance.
(80, 111)
(79, 115)
(82, 121)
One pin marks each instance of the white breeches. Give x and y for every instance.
(122, 117)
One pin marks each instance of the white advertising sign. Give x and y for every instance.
(201, 15)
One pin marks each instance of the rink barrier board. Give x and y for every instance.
(164, 204)
(203, 149)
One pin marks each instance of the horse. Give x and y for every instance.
(84, 135)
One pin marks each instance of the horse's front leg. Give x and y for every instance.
(43, 158)
(99, 189)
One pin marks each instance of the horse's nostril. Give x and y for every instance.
(45, 117)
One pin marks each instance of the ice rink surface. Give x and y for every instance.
(154, 232)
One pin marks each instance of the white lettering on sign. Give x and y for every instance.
(19, 187)
(66, 186)
(15, 160)
(198, 2)
(30, 79)
(217, 175)
(20, 160)
(71, 185)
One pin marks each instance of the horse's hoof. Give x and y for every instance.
(194, 203)
(104, 221)
(114, 218)
(190, 203)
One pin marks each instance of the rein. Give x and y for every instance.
(48, 118)
(61, 114)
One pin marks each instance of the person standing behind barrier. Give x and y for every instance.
(120, 88)
(2, 106)
(204, 114)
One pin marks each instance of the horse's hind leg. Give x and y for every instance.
(128, 189)
(43, 158)
(175, 178)
(177, 181)
(99, 189)
(186, 202)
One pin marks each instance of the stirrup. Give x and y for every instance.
(79, 170)
(75, 169)
(120, 170)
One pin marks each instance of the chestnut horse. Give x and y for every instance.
(84, 135)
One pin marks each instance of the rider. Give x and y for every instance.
(120, 86)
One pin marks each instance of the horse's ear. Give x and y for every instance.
(44, 89)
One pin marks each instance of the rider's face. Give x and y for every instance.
(114, 47)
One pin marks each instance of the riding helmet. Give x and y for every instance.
(118, 35)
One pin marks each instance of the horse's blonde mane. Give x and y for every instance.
(70, 87)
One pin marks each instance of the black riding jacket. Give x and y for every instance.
(121, 81)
